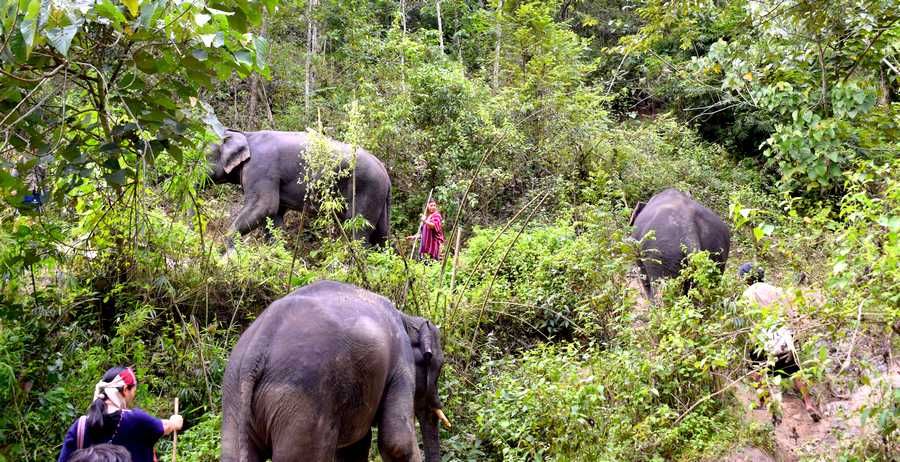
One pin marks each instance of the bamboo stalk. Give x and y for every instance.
(175, 437)
(453, 270)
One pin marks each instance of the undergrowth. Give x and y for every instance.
(550, 355)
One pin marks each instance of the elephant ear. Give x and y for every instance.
(234, 151)
(636, 212)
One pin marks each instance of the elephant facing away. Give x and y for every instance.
(268, 165)
(681, 226)
(319, 368)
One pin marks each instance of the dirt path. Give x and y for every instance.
(799, 438)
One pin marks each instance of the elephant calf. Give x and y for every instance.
(319, 368)
(269, 166)
(681, 226)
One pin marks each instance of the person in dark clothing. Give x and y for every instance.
(102, 453)
(111, 419)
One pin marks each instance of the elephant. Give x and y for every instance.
(270, 167)
(319, 368)
(681, 226)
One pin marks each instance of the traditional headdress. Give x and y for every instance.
(110, 390)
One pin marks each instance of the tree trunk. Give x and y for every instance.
(311, 47)
(496, 82)
(251, 109)
(265, 96)
(255, 87)
(884, 99)
(402, 55)
(437, 4)
(403, 15)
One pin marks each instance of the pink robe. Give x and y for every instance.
(432, 238)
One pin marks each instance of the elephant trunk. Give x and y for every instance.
(428, 423)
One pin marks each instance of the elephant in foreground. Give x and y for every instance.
(681, 226)
(270, 166)
(319, 368)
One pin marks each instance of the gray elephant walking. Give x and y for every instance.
(269, 165)
(681, 226)
(319, 368)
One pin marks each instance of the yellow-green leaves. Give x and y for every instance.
(132, 6)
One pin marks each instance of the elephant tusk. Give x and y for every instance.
(440, 415)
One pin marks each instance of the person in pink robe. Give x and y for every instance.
(431, 232)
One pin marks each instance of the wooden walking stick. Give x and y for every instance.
(175, 437)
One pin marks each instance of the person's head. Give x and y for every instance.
(118, 387)
(101, 453)
(432, 206)
(751, 274)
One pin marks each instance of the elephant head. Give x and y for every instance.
(225, 158)
(425, 338)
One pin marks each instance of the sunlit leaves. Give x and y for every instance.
(61, 38)
(106, 9)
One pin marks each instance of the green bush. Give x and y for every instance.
(549, 282)
(642, 397)
(636, 162)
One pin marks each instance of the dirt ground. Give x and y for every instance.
(799, 438)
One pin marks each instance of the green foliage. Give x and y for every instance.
(200, 443)
(634, 163)
(866, 261)
(122, 82)
(886, 414)
(818, 76)
(551, 283)
(641, 398)
(550, 354)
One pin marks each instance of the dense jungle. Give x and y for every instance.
(537, 127)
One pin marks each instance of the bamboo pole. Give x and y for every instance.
(353, 193)
(453, 270)
(175, 437)
(499, 32)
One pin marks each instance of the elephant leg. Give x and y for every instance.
(257, 206)
(312, 443)
(356, 452)
(366, 207)
(645, 281)
(231, 441)
(277, 222)
(396, 428)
